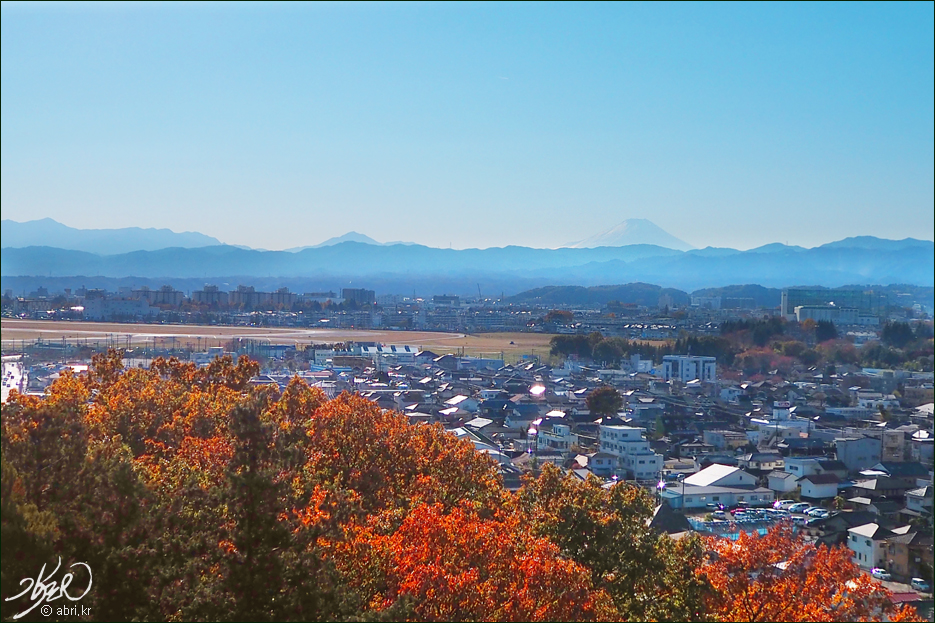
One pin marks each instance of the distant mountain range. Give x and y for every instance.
(49, 233)
(351, 236)
(633, 231)
(400, 268)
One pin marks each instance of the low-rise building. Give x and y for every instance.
(868, 545)
(781, 482)
(687, 496)
(819, 487)
(718, 475)
(685, 368)
(633, 452)
(857, 453)
(559, 438)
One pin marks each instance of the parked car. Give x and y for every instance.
(880, 573)
(799, 507)
(719, 515)
(919, 584)
(784, 504)
(817, 512)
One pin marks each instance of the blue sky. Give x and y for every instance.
(472, 125)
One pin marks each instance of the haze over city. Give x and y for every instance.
(471, 125)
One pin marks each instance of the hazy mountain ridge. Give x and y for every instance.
(50, 233)
(351, 236)
(510, 269)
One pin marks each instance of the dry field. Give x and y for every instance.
(512, 345)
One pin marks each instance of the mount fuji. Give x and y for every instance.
(633, 231)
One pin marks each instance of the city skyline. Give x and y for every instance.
(472, 126)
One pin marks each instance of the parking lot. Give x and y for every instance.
(730, 522)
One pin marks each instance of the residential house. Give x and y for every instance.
(495, 408)
(919, 501)
(819, 487)
(522, 415)
(922, 447)
(724, 439)
(832, 530)
(665, 520)
(781, 482)
(462, 402)
(908, 554)
(881, 486)
(868, 545)
(674, 468)
(832, 466)
(761, 461)
(801, 466)
(602, 463)
(909, 472)
(559, 438)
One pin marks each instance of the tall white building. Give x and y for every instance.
(634, 456)
(687, 368)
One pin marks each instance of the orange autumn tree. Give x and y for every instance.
(460, 566)
(778, 577)
(391, 464)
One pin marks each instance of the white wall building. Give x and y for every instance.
(692, 496)
(801, 466)
(687, 368)
(819, 486)
(117, 308)
(632, 450)
(867, 544)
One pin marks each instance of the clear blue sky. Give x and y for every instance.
(472, 125)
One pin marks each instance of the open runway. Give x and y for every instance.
(15, 332)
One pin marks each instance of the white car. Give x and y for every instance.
(880, 573)
(919, 584)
